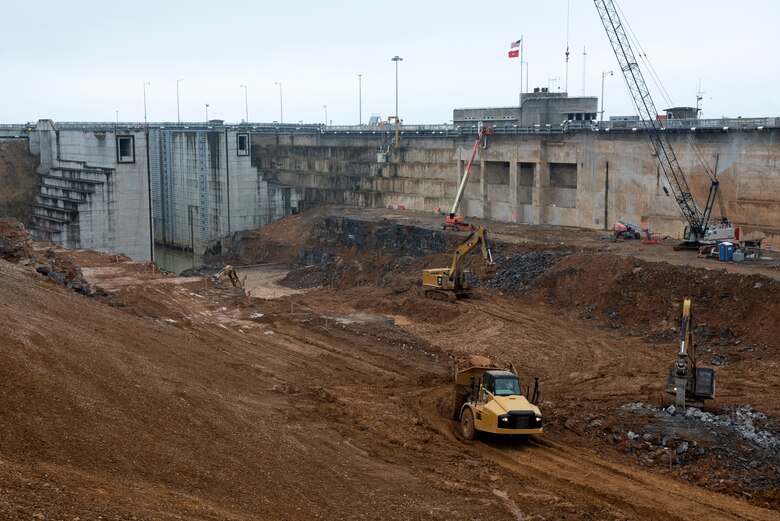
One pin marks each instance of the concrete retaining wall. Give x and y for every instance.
(585, 178)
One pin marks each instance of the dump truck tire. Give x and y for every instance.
(467, 429)
(459, 397)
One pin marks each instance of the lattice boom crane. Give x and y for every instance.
(699, 229)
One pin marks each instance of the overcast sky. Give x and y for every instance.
(84, 60)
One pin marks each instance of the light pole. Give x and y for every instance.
(281, 107)
(246, 103)
(526, 74)
(603, 75)
(396, 59)
(360, 99)
(178, 113)
(207, 112)
(145, 84)
(326, 113)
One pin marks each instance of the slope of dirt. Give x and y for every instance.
(647, 297)
(17, 179)
(174, 398)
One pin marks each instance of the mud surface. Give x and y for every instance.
(173, 398)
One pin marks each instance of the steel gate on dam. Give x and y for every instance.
(127, 186)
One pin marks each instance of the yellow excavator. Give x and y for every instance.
(229, 274)
(454, 282)
(690, 384)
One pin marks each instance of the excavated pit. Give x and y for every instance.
(177, 397)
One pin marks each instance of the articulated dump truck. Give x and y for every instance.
(487, 398)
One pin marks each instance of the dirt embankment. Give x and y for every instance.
(18, 179)
(175, 398)
(338, 250)
(600, 329)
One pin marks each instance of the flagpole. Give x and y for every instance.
(521, 71)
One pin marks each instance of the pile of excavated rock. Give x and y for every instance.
(744, 421)
(518, 272)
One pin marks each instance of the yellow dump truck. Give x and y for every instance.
(490, 399)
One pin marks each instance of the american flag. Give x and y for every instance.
(516, 44)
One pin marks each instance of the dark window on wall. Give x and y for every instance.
(125, 149)
(242, 144)
(563, 175)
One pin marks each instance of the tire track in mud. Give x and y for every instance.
(570, 475)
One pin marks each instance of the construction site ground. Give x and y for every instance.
(325, 393)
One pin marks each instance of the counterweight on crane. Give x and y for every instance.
(699, 229)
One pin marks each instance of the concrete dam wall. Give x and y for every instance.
(125, 187)
(583, 178)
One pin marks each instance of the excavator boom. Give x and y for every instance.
(478, 237)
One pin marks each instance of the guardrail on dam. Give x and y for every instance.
(125, 186)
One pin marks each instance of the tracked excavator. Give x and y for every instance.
(228, 274)
(454, 282)
(690, 384)
(487, 398)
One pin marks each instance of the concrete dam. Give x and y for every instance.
(125, 187)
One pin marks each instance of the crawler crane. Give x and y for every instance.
(699, 231)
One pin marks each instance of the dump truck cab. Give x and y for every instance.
(492, 400)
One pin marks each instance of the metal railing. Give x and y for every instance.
(441, 130)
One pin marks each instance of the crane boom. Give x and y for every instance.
(453, 220)
(465, 178)
(698, 221)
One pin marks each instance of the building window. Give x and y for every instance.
(243, 144)
(125, 149)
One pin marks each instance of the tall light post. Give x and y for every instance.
(326, 113)
(207, 112)
(281, 107)
(178, 113)
(526, 74)
(396, 59)
(360, 99)
(145, 84)
(603, 75)
(246, 103)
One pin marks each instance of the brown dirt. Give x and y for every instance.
(17, 179)
(174, 398)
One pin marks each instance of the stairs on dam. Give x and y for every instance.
(63, 196)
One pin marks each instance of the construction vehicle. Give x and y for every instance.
(699, 230)
(453, 220)
(228, 274)
(690, 384)
(627, 230)
(487, 398)
(454, 282)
